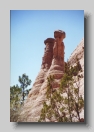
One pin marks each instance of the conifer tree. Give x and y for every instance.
(24, 81)
(17, 97)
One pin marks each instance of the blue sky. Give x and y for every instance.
(29, 29)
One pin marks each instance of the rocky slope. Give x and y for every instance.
(52, 64)
(79, 52)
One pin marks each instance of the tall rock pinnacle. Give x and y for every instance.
(57, 66)
(48, 53)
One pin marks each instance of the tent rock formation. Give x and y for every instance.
(52, 64)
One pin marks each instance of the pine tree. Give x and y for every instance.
(25, 82)
(17, 97)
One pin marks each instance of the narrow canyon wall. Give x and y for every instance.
(52, 64)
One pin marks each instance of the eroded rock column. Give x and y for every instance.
(46, 63)
(58, 48)
(48, 53)
(57, 66)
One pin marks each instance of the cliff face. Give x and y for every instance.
(52, 64)
(79, 52)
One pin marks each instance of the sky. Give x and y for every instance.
(29, 29)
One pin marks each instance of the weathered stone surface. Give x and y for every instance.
(52, 64)
(57, 66)
(79, 52)
(48, 53)
(38, 83)
(58, 49)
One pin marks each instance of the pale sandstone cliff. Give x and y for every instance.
(79, 52)
(53, 63)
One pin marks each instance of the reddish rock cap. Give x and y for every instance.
(59, 33)
(49, 40)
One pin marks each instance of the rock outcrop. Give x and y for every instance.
(52, 64)
(79, 53)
